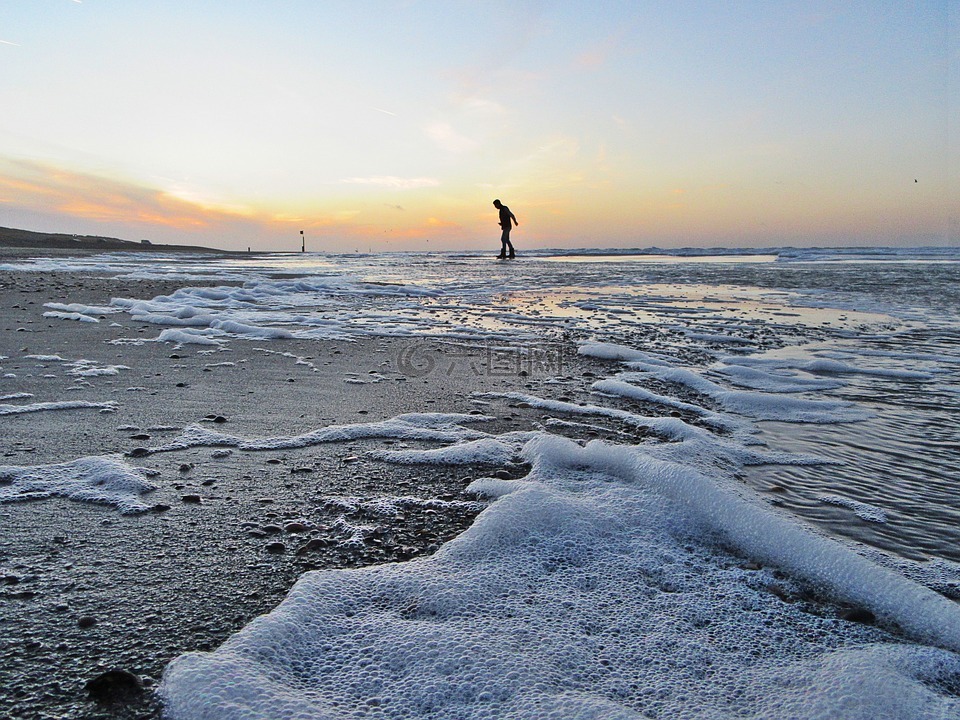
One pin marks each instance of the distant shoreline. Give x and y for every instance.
(19, 242)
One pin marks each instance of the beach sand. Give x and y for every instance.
(85, 589)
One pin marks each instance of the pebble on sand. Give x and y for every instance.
(114, 686)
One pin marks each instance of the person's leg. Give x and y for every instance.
(505, 241)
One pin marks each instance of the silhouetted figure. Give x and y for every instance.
(505, 223)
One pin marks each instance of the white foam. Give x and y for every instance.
(430, 427)
(6, 409)
(16, 396)
(832, 366)
(81, 308)
(864, 511)
(91, 368)
(251, 331)
(191, 337)
(612, 351)
(772, 382)
(98, 479)
(756, 405)
(485, 451)
(588, 589)
(80, 317)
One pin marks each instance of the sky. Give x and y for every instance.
(392, 125)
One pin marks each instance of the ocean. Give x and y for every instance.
(768, 528)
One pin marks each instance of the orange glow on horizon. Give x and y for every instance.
(671, 214)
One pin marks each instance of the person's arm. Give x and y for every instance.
(514, 219)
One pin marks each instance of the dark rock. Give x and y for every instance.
(858, 615)
(139, 452)
(313, 544)
(114, 686)
(219, 419)
(273, 529)
(502, 475)
(140, 436)
(86, 621)
(295, 527)
(276, 548)
(186, 467)
(191, 498)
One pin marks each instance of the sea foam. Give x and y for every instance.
(592, 588)
(98, 479)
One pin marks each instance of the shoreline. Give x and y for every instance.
(15, 243)
(88, 589)
(273, 457)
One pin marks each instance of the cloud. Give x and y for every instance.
(448, 139)
(68, 200)
(392, 181)
(483, 106)
(35, 186)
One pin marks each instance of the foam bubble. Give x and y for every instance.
(99, 479)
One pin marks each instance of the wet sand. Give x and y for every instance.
(85, 589)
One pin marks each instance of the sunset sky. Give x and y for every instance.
(393, 125)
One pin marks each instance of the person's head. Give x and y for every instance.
(496, 204)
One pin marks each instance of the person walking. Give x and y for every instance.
(506, 218)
